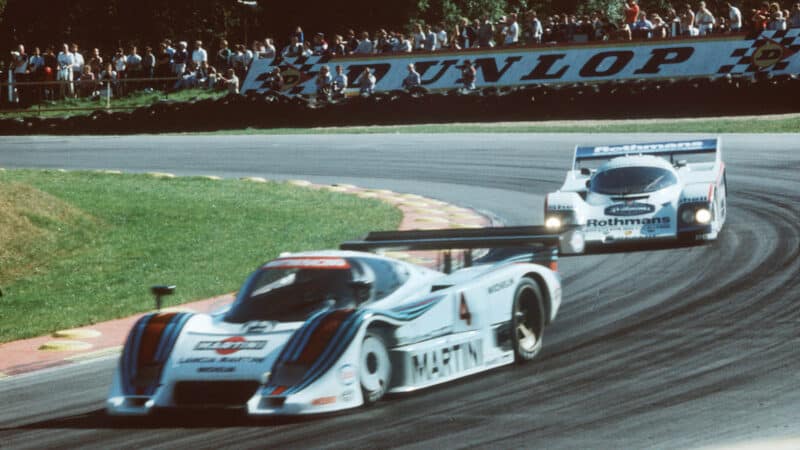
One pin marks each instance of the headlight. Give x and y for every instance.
(703, 216)
(552, 223)
(687, 216)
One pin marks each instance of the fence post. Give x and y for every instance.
(10, 86)
(108, 94)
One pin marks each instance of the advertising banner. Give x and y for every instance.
(772, 51)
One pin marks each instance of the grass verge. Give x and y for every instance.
(788, 123)
(85, 106)
(98, 241)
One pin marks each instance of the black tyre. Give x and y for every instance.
(374, 368)
(527, 320)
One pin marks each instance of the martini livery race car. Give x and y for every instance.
(325, 331)
(663, 190)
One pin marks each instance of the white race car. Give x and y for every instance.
(662, 190)
(325, 331)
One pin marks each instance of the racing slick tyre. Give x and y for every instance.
(527, 321)
(374, 368)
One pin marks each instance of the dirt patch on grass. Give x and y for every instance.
(34, 227)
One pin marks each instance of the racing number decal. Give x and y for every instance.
(463, 311)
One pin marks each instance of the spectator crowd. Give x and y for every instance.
(178, 65)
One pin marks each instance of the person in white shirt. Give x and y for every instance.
(36, 61)
(704, 20)
(441, 37)
(511, 31)
(365, 46)
(78, 63)
(231, 81)
(65, 60)
(133, 63)
(269, 49)
(366, 82)
(199, 55)
(536, 29)
(735, 18)
(339, 83)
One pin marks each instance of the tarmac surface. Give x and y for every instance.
(671, 348)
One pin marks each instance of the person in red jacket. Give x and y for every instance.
(631, 11)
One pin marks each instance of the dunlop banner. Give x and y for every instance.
(772, 51)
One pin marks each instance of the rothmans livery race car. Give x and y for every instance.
(663, 190)
(324, 331)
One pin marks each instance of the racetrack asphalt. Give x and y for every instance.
(670, 348)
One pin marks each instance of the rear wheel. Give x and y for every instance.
(375, 369)
(527, 320)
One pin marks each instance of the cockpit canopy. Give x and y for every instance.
(631, 180)
(292, 288)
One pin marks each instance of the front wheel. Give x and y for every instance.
(527, 320)
(375, 368)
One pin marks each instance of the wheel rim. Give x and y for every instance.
(374, 368)
(526, 337)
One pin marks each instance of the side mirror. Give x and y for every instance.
(571, 242)
(161, 291)
(681, 163)
(585, 171)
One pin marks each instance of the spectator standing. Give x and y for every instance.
(199, 54)
(148, 62)
(109, 78)
(133, 63)
(19, 66)
(441, 37)
(485, 33)
(78, 62)
(120, 63)
(275, 80)
(430, 39)
(239, 61)
(687, 21)
(339, 82)
(269, 49)
(660, 28)
(760, 18)
(777, 22)
(631, 12)
(511, 31)
(468, 74)
(413, 79)
(339, 48)
(462, 35)
(294, 49)
(794, 16)
(366, 82)
(298, 33)
(734, 18)
(536, 30)
(36, 64)
(365, 46)
(96, 61)
(180, 59)
(320, 45)
(704, 20)
(164, 62)
(350, 41)
(642, 28)
(419, 38)
(223, 56)
(323, 83)
(65, 62)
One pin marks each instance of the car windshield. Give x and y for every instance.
(290, 289)
(632, 180)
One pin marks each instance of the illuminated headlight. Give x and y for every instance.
(116, 401)
(552, 223)
(703, 216)
(687, 216)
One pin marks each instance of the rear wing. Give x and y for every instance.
(517, 240)
(710, 148)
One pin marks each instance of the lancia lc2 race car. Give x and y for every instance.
(661, 190)
(324, 331)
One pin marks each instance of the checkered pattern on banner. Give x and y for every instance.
(788, 39)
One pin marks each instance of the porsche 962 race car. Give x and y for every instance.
(324, 331)
(662, 190)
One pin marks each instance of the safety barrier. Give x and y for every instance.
(696, 97)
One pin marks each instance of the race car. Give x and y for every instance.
(317, 332)
(662, 190)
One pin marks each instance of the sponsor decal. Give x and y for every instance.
(500, 286)
(348, 395)
(323, 401)
(629, 209)
(347, 374)
(222, 360)
(694, 200)
(228, 369)
(559, 207)
(772, 50)
(230, 345)
(308, 263)
(649, 148)
(616, 222)
(446, 361)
